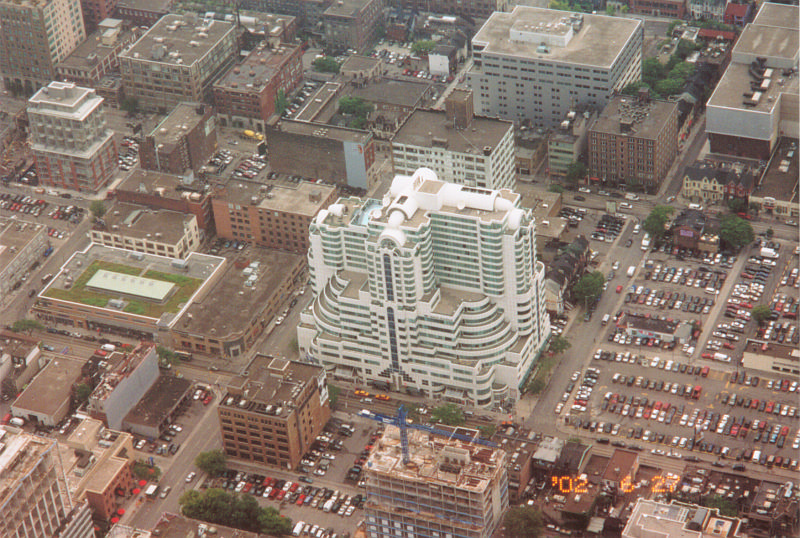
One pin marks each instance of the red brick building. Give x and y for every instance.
(273, 217)
(95, 11)
(675, 9)
(633, 142)
(183, 141)
(245, 95)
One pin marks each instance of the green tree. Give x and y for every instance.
(589, 287)
(685, 48)
(357, 108)
(576, 171)
(82, 393)
(653, 71)
(536, 385)
(142, 470)
(487, 430)
(130, 105)
(273, 523)
(633, 88)
(213, 462)
(556, 188)
(656, 220)
(423, 46)
(737, 205)
(610, 11)
(26, 325)
(559, 344)
(98, 209)
(725, 506)
(670, 86)
(761, 313)
(682, 70)
(735, 232)
(166, 355)
(326, 65)
(523, 522)
(333, 395)
(769, 233)
(449, 414)
(281, 102)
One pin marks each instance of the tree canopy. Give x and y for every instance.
(656, 220)
(735, 232)
(82, 392)
(761, 313)
(559, 344)
(737, 205)
(26, 325)
(233, 510)
(449, 414)
(98, 209)
(213, 462)
(589, 287)
(281, 102)
(326, 65)
(356, 107)
(726, 507)
(576, 171)
(523, 522)
(423, 46)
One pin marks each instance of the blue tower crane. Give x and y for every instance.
(402, 424)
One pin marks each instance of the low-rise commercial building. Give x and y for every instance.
(666, 330)
(707, 10)
(771, 357)
(689, 229)
(563, 272)
(72, 146)
(756, 101)
(633, 142)
(271, 29)
(168, 191)
(678, 519)
(777, 191)
(177, 60)
(48, 397)
(158, 407)
(467, 150)
(473, 9)
(272, 415)
(136, 295)
(261, 280)
(452, 487)
(143, 12)
(98, 466)
(352, 24)
(127, 376)
(21, 244)
(675, 9)
(325, 152)
(183, 141)
(20, 360)
(98, 55)
(245, 96)
(271, 216)
(393, 101)
(160, 232)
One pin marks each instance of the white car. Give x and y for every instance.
(585, 190)
(559, 408)
(190, 476)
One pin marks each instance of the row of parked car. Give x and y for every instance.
(22, 204)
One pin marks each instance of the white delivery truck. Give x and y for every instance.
(17, 421)
(769, 253)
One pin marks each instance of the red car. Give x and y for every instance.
(300, 499)
(707, 356)
(207, 400)
(280, 494)
(728, 345)
(619, 288)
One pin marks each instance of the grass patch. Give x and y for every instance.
(186, 287)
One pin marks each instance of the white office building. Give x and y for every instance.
(468, 150)
(71, 142)
(534, 65)
(436, 287)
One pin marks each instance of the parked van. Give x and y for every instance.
(605, 320)
(631, 196)
(17, 421)
(637, 228)
(298, 528)
(646, 242)
(631, 270)
(756, 456)
(698, 207)
(108, 347)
